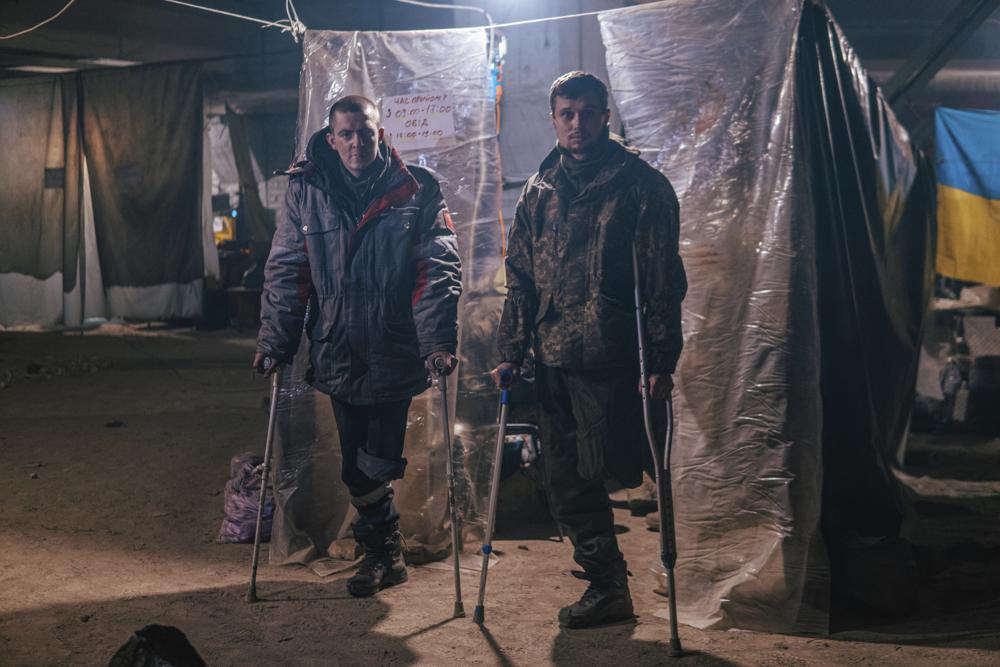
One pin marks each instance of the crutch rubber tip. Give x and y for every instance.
(675, 650)
(479, 615)
(459, 610)
(251, 595)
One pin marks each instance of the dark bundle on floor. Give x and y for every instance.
(157, 646)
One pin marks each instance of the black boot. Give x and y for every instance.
(605, 601)
(383, 564)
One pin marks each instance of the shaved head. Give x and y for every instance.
(354, 132)
(356, 104)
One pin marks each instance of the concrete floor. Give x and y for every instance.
(115, 448)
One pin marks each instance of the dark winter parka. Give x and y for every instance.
(382, 288)
(569, 268)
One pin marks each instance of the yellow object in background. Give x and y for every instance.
(223, 228)
(967, 143)
(968, 236)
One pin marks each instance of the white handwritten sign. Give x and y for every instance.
(414, 122)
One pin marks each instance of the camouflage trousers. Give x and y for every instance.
(591, 430)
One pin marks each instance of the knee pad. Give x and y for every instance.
(380, 470)
(373, 497)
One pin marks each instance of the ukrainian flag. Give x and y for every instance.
(968, 151)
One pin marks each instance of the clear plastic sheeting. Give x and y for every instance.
(706, 91)
(313, 508)
(804, 232)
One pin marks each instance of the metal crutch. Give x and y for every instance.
(265, 470)
(456, 543)
(661, 461)
(506, 378)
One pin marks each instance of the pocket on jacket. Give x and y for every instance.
(399, 330)
(612, 337)
(395, 332)
(319, 220)
(544, 305)
(330, 311)
(321, 229)
(613, 317)
(611, 304)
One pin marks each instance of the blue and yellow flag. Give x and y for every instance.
(968, 152)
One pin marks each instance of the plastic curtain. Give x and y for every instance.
(804, 231)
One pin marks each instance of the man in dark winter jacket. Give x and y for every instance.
(367, 243)
(570, 299)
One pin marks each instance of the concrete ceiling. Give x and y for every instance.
(242, 60)
(244, 57)
(889, 31)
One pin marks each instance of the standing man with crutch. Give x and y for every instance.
(570, 300)
(368, 243)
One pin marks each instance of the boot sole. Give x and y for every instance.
(610, 616)
(368, 592)
(574, 624)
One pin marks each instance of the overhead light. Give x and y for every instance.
(109, 62)
(42, 69)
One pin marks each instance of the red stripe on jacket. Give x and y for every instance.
(421, 282)
(395, 196)
(304, 282)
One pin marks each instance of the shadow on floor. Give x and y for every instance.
(615, 645)
(322, 628)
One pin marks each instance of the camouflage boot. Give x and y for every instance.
(603, 602)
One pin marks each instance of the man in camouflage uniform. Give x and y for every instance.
(570, 299)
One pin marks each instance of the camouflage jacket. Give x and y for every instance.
(570, 291)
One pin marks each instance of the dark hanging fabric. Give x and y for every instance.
(875, 250)
(40, 183)
(259, 220)
(142, 135)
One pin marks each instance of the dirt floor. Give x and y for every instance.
(115, 447)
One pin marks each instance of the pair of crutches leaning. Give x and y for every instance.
(661, 460)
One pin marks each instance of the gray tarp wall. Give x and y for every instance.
(101, 206)
(142, 133)
(41, 220)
